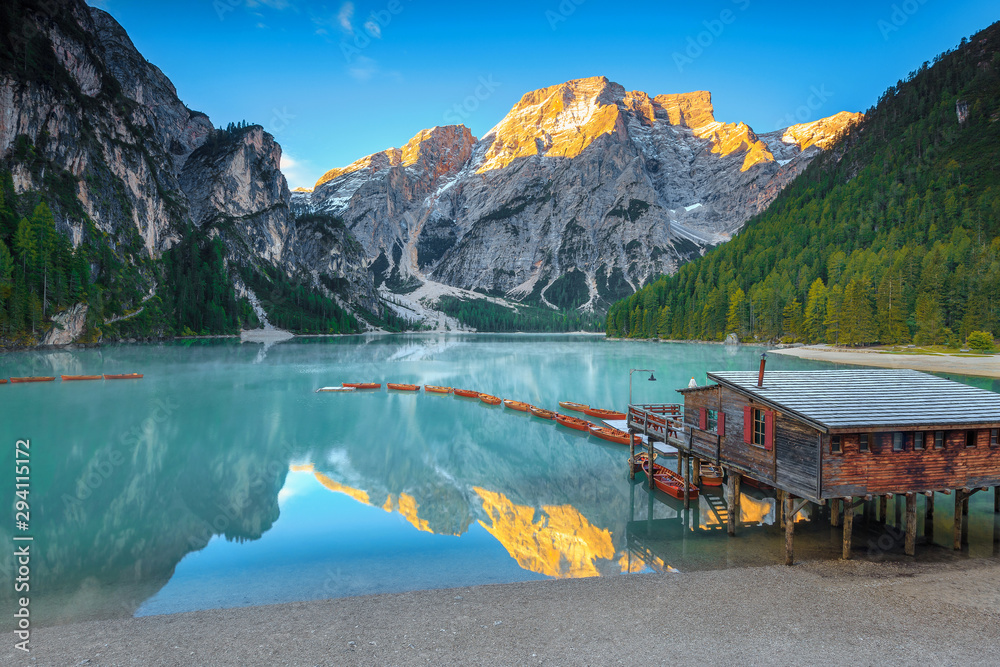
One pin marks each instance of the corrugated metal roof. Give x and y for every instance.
(869, 398)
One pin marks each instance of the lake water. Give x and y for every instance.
(222, 479)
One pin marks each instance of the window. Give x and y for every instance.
(836, 444)
(994, 433)
(713, 421)
(897, 441)
(938, 439)
(918, 440)
(759, 427)
(970, 438)
(863, 443)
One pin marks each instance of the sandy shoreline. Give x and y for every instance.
(979, 366)
(830, 612)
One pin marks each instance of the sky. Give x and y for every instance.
(335, 81)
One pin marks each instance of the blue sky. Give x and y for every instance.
(335, 81)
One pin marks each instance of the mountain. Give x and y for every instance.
(112, 175)
(891, 236)
(581, 194)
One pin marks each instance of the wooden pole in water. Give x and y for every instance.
(896, 508)
(883, 508)
(780, 496)
(848, 527)
(965, 505)
(687, 483)
(929, 518)
(631, 454)
(835, 512)
(696, 475)
(734, 505)
(789, 528)
(996, 500)
(651, 453)
(957, 536)
(911, 524)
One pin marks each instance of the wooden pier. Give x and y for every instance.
(838, 439)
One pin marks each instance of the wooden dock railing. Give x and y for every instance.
(661, 421)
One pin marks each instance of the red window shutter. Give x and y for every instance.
(748, 424)
(721, 425)
(769, 430)
(703, 419)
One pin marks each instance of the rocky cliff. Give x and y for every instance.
(575, 198)
(100, 133)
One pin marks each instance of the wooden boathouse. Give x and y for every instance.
(841, 437)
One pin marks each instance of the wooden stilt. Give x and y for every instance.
(929, 518)
(696, 475)
(965, 505)
(996, 500)
(883, 508)
(631, 454)
(651, 452)
(780, 498)
(789, 528)
(848, 527)
(897, 509)
(911, 524)
(835, 512)
(687, 483)
(734, 505)
(957, 541)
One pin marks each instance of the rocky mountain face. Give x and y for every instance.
(101, 133)
(577, 197)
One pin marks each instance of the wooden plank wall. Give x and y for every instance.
(886, 471)
(797, 450)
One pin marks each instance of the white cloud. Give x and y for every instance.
(373, 28)
(345, 15)
(298, 173)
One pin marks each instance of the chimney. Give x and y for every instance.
(760, 375)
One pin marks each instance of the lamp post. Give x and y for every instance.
(637, 370)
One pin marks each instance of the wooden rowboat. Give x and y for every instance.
(466, 393)
(3, 380)
(541, 413)
(437, 390)
(605, 414)
(68, 378)
(757, 484)
(669, 482)
(570, 405)
(491, 400)
(574, 423)
(402, 387)
(363, 385)
(124, 376)
(641, 458)
(32, 379)
(612, 435)
(711, 474)
(336, 389)
(516, 405)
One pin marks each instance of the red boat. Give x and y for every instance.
(573, 422)
(605, 414)
(363, 385)
(516, 405)
(67, 378)
(124, 376)
(711, 474)
(542, 413)
(467, 393)
(570, 405)
(32, 379)
(488, 399)
(669, 482)
(437, 390)
(403, 387)
(640, 463)
(612, 435)
(3, 380)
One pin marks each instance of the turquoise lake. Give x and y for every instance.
(223, 479)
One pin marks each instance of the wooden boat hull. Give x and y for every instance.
(711, 475)
(542, 413)
(489, 400)
(32, 379)
(605, 414)
(466, 393)
(669, 482)
(516, 405)
(124, 376)
(336, 389)
(612, 435)
(570, 405)
(433, 389)
(3, 380)
(72, 378)
(574, 423)
(363, 385)
(402, 387)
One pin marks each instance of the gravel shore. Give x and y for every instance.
(822, 613)
(973, 365)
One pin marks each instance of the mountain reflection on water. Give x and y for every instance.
(222, 479)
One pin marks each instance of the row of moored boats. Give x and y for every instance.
(72, 378)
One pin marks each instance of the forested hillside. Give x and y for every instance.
(893, 236)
